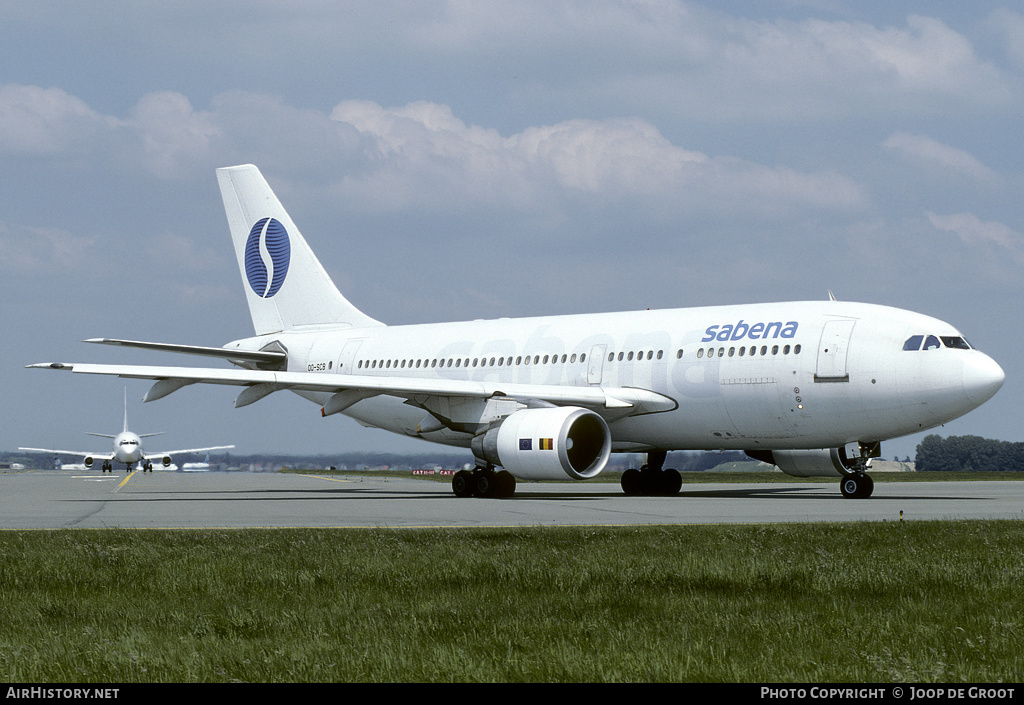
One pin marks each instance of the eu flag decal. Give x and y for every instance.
(547, 443)
(525, 444)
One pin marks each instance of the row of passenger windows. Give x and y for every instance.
(751, 351)
(933, 342)
(470, 362)
(556, 359)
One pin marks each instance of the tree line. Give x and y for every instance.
(968, 454)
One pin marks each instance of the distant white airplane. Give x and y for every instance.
(549, 398)
(127, 450)
(204, 466)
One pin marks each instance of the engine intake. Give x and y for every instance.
(548, 444)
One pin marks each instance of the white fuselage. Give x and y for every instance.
(746, 377)
(127, 448)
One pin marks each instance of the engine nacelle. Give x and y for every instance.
(821, 462)
(88, 461)
(166, 461)
(548, 444)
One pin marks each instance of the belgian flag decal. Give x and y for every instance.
(547, 443)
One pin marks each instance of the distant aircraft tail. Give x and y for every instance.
(286, 286)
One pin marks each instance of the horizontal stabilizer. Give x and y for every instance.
(263, 357)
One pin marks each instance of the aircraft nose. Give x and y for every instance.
(982, 378)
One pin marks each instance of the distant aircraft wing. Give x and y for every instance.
(106, 455)
(349, 389)
(150, 454)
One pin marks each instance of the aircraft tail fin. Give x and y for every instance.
(285, 285)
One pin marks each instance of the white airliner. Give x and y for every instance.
(549, 398)
(127, 450)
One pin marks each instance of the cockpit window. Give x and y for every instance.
(913, 342)
(932, 342)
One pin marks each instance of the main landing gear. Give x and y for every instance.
(652, 478)
(484, 482)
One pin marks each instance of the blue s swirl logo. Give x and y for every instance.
(267, 252)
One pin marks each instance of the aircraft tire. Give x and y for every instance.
(506, 484)
(632, 482)
(856, 486)
(483, 484)
(462, 484)
(673, 481)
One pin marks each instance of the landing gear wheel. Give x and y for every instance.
(857, 486)
(462, 483)
(483, 484)
(649, 482)
(506, 484)
(673, 481)
(631, 482)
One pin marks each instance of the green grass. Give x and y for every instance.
(903, 601)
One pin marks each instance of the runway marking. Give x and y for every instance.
(125, 480)
(325, 477)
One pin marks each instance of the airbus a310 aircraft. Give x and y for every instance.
(550, 398)
(127, 450)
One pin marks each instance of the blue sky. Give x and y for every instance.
(453, 160)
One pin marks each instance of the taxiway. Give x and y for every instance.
(49, 499)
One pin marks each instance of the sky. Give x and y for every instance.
(479, 159)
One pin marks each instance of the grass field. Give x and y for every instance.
(897, 602)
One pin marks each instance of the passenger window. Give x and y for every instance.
(931, 342)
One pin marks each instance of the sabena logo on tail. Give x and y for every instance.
(267, 254)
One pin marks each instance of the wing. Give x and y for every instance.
(150, 454)
(349, 389)
(99, 456)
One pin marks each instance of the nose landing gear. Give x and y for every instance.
(857, 484)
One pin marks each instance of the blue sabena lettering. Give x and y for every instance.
(754, 331)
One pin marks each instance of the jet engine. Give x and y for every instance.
(88, 461)
(822, 462)
(548, 444)
(166, 461)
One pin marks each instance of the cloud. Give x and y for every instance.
(937, 155)
(699, 62)
(30, 250)
(173, 137)
(421, 152)
(47, 121)
(973, 231)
